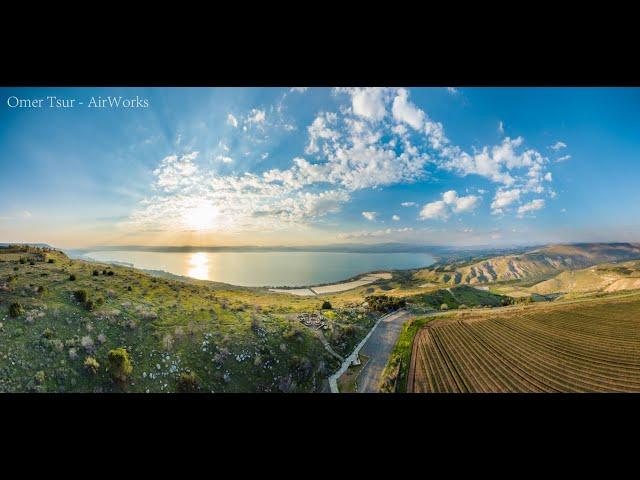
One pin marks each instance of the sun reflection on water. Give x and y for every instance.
(198, 266)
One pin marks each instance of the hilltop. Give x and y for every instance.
(535, 264)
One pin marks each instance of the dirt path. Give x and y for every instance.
(378, 348)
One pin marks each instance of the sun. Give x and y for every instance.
(200, 217)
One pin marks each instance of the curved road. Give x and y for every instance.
(378, 348)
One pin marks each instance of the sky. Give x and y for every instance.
(307, 166)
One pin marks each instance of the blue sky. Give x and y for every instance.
(265, 166)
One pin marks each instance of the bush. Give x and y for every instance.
(110, 273)
(39, 377)
(51, 260)
(384, 303)
(72, 277)
(326, 305)
(41, 290)
(188, 382)
(119, 364)
(81, 295)
(129, 288)
(90, 305)
(104, 272)
(95, 273)
(444, 306)
(32, 263)
(23, 261)
(16, 309)
(91, 365)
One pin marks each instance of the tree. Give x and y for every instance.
(81, 295)
(72, 277)
(95, 273)
(326, 305)
(119, 364)
(188, 382)
(16, 309)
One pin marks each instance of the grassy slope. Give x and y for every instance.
(234, 339)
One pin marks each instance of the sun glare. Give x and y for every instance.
(200, 217)
(199, 266)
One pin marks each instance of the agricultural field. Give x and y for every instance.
(591, 345)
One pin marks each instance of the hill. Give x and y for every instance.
(607, 277)
(535, 264)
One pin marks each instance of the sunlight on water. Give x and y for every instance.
(198, 266)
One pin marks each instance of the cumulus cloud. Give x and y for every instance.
(233, 121)
(224, 159)
(450, 203)
(299, 89)
(558, 146)
(256, 116)
(368, 102)
(435, 210)
(532, 206)
(405, 111)
(563, 158)
(395, 218)
(371, 216)
(503, 198)
(453, 90)
(501, 128)
(409, 204)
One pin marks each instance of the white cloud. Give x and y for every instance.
(375, 233)
(223, 146)
(453, 90)
(409, 204)
(558, 146)
(504, 198)
(175, 172)
(368, 102)
(27, 214)
(532, 206)
(563, 158)
(224, 159)
(231, 120)
(501, 128)
(299, 89)
(256, 116)
(405, 111)
(395, 218)
(450, 203)
(548, 177)
(371, 216)
(435, 210)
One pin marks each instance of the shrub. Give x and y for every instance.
(23, 261)
(444, 306)
(326, 305)
(51, 260)
(99, 301)
(41, 290)
(81, 295)
(72, 277)
(90, 305)
(129, 288)
(384, 303)
(188, 382)
(119, 364)
(47, 333)
(91, 365)
(32, 263)
(110, 273)
(16, 309)
(104, 272)
(39, 377)
(95, 273)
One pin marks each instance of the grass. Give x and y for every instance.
(233, 339)
(348, 381)
(394, 376)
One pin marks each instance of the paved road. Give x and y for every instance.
(378, 348)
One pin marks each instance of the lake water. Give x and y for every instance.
(254, 269)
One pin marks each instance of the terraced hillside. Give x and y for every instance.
(587, 346)
(538, 263)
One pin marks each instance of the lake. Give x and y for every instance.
(256, 269)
